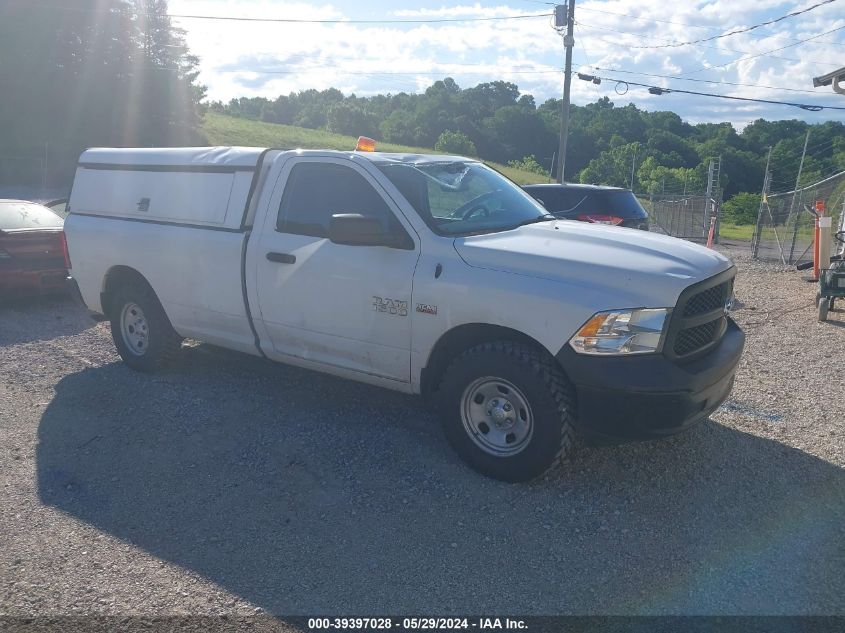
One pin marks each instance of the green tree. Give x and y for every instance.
(164, 96)
(612, 167)
(455, 143)
(345, 118)
(656, 178)
(399, 127)
(741, 208)
(519, 131)
(108, 72)
(529, 163)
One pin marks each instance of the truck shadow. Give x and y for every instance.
(305, 494)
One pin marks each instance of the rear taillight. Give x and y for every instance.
(65, 251)
(600, 219)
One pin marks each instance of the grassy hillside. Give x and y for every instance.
(226, 130)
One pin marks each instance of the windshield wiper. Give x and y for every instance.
(542, 218)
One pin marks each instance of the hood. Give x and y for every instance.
(646, 268)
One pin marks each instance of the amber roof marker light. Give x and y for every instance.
(365, 144)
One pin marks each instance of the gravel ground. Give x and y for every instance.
(231, 485)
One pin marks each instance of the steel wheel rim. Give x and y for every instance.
(496, 416)
(134, 329)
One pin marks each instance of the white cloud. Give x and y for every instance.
(268, 59)
(475, 10)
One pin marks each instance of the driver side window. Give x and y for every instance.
(316, 191)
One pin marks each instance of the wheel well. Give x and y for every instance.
(118, 277)
(457, 340)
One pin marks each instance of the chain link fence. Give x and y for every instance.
(785, 223)
(685, 216)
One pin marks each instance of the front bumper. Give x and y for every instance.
(641, 397)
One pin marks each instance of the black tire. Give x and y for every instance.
(546, 390)
(162, 343)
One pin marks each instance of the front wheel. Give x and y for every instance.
(141, 330)
(507, 410)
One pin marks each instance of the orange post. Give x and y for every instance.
(711, 233)
(817, 238)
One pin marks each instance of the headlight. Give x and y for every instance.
(618, 332)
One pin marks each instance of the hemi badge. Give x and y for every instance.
(426, 308)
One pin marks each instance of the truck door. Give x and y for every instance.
(339, 305)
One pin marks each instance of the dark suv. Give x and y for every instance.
(591, 203)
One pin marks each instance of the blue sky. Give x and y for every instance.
(268, 59)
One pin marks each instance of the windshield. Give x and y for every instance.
(464, 198)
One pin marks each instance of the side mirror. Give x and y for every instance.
(354, 229)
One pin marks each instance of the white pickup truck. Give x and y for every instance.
(432, 275)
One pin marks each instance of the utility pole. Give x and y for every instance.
(633, 166)
(565, 16)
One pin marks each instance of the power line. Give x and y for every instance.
(686, 24)
(765, 53)
(705, 81)
(635, 17)
(327, 21)
(231, 18)
(380, 72)
(737, 31)
(657, 90)
(586, 55)
(825, 145)
(715, 48)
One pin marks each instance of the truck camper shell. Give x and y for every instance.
(203, 186)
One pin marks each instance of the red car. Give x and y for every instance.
(33, 250)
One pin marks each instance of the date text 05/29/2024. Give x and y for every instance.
(417, 624)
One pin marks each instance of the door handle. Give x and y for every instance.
(281, 258)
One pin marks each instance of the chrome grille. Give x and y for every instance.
(699, 319)
(708, 300)
(693, 339)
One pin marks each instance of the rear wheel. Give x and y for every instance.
(507, 410)
(141, 330)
